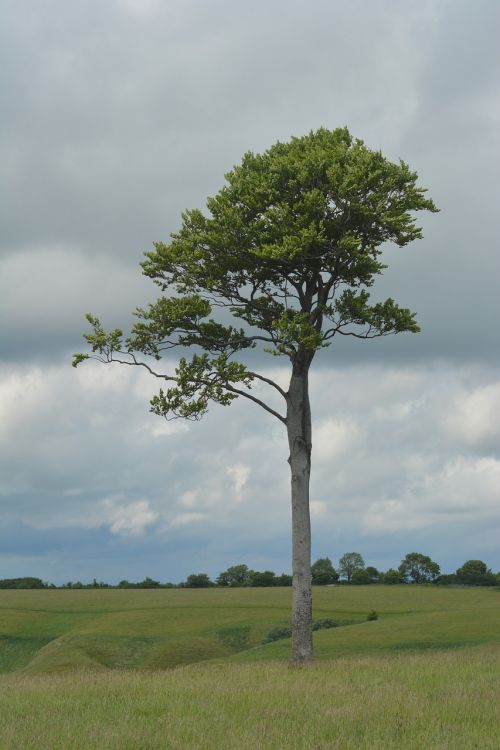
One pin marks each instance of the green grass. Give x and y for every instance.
(95, 669)
(399, 702)
(54, 631)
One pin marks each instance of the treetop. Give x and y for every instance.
(289, 247)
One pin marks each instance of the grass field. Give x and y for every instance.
(92, 669)
(54, 630)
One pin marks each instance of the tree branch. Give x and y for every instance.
(269, 382)
(256, 401)
(135, 362)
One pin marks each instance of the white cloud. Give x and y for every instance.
(165, 428)
(188, 499)
(186, 519)
(239, 474)
(476, 414)
(318, 508)
(129, 519)
(334, 438)
(464, 489)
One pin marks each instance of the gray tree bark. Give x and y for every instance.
(299, 441)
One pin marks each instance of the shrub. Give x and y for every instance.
(372, 615)
(277, 634)
(324, 624)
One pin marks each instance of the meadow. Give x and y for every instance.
(185, 668)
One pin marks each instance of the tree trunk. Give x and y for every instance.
(299, 440)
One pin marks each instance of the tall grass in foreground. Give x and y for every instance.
(421, 701)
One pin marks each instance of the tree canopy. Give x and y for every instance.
(235, 575)
(323, 572)
(418, 568)
(349, 562)
(290, 245)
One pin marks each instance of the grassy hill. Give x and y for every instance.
(56, 630)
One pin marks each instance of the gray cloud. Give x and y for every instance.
(116, 116)
(398, 452)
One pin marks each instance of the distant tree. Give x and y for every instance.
(360, 577)
(418, 568)
(148, 583)
(22, 583)
(391, 576)
(323, 572)
(473, 568)
(236, 575)
(198, 581)
(350, 562)
(285, 579)
(365, 575)
(262, 578)
(290, 248)
(373, 573)
(94, 585)
(448, 579)
(476, 572)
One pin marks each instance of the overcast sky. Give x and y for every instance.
(115, 115)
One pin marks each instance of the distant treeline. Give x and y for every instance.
(415, 568)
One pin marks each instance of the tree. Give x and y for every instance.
(198, 581)
(364, 576)
(289, 247)
(285, 579)
(323, 572)
(472, 569)
(391, 576)
(148, 583)
(418, 568)
(22, 583)
(263, 578)
(360, 577)
(373, 574)
(350, 562)
(236, 575)
(476, 572)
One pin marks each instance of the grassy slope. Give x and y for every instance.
(55, 630)
(50, 631)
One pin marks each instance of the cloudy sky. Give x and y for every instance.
(118, 114)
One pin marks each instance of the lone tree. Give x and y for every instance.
(288, 247)
(323, 572)
(418, 568)
(350, 562)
